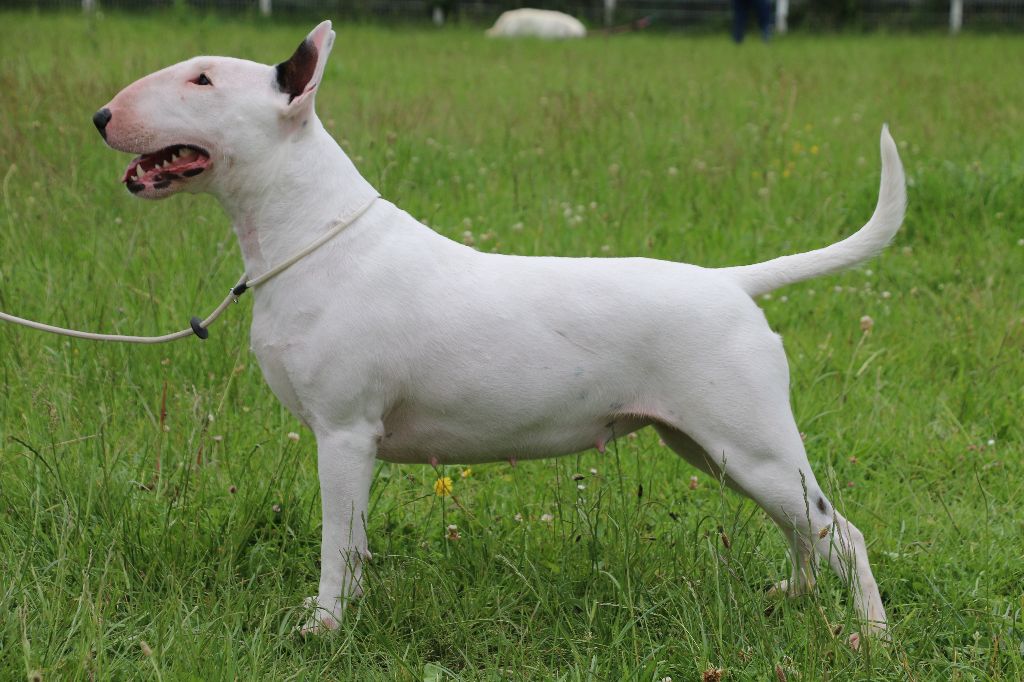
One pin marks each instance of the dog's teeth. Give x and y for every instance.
(138, 172)
(174, 157)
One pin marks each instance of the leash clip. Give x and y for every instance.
(238, 290)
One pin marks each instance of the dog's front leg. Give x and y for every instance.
(345, 460)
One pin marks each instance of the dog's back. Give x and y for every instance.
(537, 23)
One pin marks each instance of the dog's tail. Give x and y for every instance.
(636, 25)
(868, 241)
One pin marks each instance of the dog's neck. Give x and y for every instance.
(291, 197)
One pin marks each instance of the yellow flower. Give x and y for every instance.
(814, 149)
(466, 473)
(443, 486)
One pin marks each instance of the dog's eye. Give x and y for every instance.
(202, 80)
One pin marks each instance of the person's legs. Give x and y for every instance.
(739, 19)
(763, 12)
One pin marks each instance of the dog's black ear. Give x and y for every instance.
(299, 76)
(294, 74)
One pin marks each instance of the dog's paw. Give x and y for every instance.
(321, 618)
(782, 589)
(878, 633)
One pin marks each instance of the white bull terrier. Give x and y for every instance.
(536, 23)
(393, 342)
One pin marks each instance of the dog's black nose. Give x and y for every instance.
(101, 118)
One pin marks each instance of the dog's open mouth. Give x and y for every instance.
(158, 170)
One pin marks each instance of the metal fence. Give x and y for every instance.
(792, 14)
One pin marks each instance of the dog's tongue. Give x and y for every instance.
(171, 163)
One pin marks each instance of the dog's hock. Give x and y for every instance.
(300, 75)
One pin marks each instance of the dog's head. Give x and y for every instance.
(200, 118)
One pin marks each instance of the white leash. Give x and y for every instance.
(197, 326)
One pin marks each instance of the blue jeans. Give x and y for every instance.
(762, 12)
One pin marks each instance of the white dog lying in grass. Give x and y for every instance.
(393, 342)
(536, 23)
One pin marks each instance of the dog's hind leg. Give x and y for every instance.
(843, 546)
(801, 554)
(740, 427)
(791, 496)
(801, 580)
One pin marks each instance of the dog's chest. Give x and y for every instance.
(309, 359)
(284, 349)
(272, 354)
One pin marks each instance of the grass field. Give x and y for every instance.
(157, 521)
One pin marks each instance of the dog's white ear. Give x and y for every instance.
(300, 75)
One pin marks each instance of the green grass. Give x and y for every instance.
(138, 485)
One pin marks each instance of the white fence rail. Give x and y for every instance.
(956, 14)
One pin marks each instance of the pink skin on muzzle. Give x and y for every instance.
(162, 167)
